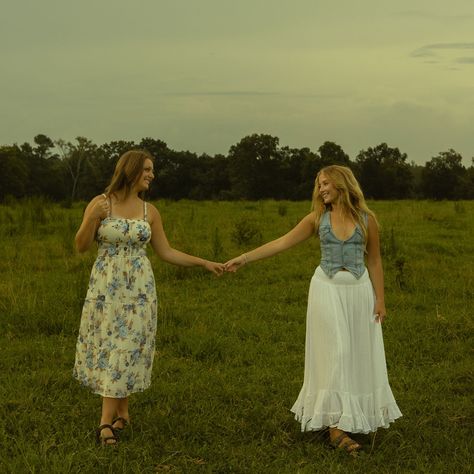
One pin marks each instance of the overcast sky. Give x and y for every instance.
(202, 74)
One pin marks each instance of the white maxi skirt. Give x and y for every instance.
(345, 374)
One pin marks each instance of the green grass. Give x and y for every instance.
(230, 351)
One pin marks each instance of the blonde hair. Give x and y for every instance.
(128, 169)
(350, 196)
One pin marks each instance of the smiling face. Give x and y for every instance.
(146, 177)
(328, 192)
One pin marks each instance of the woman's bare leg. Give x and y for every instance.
(109, 408)
(122, 411)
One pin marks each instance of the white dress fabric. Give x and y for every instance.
(345, 376)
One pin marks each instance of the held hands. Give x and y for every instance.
(214, 267)
(236, 263)
(231, 266)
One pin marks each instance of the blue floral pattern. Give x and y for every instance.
(116, 342)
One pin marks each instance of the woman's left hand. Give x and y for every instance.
(214, 267)
(380, 311)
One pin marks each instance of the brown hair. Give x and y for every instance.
(350, 198)
(128, 169)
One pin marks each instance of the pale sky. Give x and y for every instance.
(200, 75)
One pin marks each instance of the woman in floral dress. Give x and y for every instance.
(116, 342)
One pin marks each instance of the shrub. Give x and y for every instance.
(245, 232)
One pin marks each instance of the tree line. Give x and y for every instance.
(256, 167)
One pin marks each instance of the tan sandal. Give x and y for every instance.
(122, 420)
(351, 447)
(106, 440)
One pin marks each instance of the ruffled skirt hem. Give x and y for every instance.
(351, 413)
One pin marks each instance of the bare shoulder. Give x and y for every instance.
(310, 219)
(98, 198)
(372, 232)
(372, 222)
(153, 213)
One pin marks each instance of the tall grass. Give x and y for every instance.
(230, 351)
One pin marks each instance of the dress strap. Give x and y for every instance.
(144, 210)
(324, 218)
(366, 218)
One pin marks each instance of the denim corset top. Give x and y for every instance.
(339, 254)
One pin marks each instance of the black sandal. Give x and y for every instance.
(124, 422)
(104, 440)
(352, 447)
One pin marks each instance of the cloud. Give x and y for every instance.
(442, 50)
(434, 16)
(465, 60)
(422, 53)
(243, 93)
(429, 49)
(449, 46)
(221, 93)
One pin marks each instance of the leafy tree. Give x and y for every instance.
(332, 154)
(299, 169)
(254, 167)
(44, 174)
(154, 146)
(111, 152)
(468, 182)
(76, 161)
(384, 173)
(174, 170)
(218, 178)
(13, 172)
(443, 176)
(44, 146)
(182, 174)
(211, 178)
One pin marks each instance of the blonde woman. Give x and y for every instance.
(345, 386)
(116, 342)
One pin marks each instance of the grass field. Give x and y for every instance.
(230, 351)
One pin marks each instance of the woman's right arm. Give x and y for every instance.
(96, 210)
(163, 249)
(302, 231)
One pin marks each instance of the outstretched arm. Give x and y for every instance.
(374, 266)
(302, 231)
(163, 249)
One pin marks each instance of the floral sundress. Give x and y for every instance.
(116, 342)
